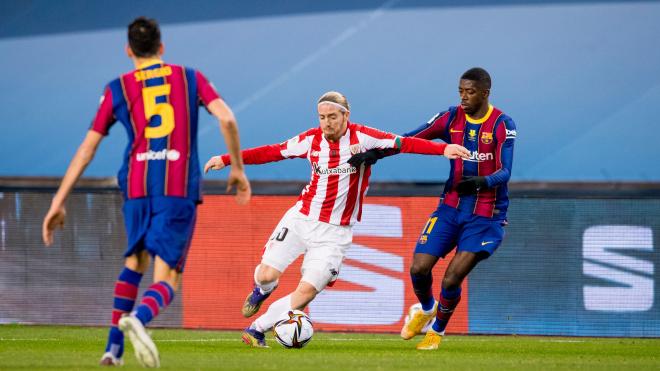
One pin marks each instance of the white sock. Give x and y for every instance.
(265, 288)
(267, 320)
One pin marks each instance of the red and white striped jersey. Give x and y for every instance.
(336, 189)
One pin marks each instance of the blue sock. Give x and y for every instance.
(422, 284)
(125, 293)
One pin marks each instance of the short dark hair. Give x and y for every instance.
(479, 75)
(144, 37)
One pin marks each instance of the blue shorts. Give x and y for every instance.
(162, 225)
(448, 227)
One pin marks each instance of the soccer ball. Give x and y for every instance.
(417, 307)
(294, 330)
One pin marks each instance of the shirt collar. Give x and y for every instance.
(481, 120)
(149, 62)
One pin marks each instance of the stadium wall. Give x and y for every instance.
(571, 264)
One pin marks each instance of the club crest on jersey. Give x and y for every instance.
(472, 135)
(423, 239)
(354, 148)
(486, 138)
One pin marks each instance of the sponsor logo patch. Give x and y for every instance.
(170, 155)
(479, 157)
(318, 170)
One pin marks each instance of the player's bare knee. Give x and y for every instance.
(451, 281)
(138, 262)
(420, 269)
(266, 274)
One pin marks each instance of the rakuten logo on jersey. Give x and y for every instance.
(479, 157)
(171, 155)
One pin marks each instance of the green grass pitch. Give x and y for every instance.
(71, 348)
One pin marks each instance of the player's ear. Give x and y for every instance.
(161, 50)
(129, 52)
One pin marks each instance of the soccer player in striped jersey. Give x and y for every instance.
(160, 179)
(472, 210)
(319, 224)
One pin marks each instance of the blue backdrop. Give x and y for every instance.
(581, 79)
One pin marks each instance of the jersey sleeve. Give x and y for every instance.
(205, 90)
(105, 116)
(505, 134)
(371, 138)
(435, 128)
(296, 147)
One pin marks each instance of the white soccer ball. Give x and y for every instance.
(294, 330)
(417, 307)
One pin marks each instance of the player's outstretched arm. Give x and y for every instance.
(454, 151)
(57, 212)
(229, 129)
(427, 147)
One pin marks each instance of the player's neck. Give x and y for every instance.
(337, 137)
(480, 113)
(143, 62)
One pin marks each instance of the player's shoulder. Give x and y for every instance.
(113, 87)
(506, 120)
(310, 133)
(186, 69)
(443, 114)
(508, 124)
(360, 127)
(366, 130)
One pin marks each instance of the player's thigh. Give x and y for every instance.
(285, 244)
(171, 229)
(439, 235)
(137, 217)
(325, 254)
(481, 235)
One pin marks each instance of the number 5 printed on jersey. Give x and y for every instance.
(164, 110)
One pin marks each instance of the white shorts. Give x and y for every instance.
(323, 244)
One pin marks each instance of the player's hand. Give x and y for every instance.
(215, 163)
(54, 219)
(368, 158)
(471, 184)
(243, 191)
(454, 151)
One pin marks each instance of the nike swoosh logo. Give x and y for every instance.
(484, 243)
(455, 131)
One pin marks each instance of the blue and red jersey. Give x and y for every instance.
(490, 142)
(158, 105)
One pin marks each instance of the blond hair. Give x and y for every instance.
(336, 98)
